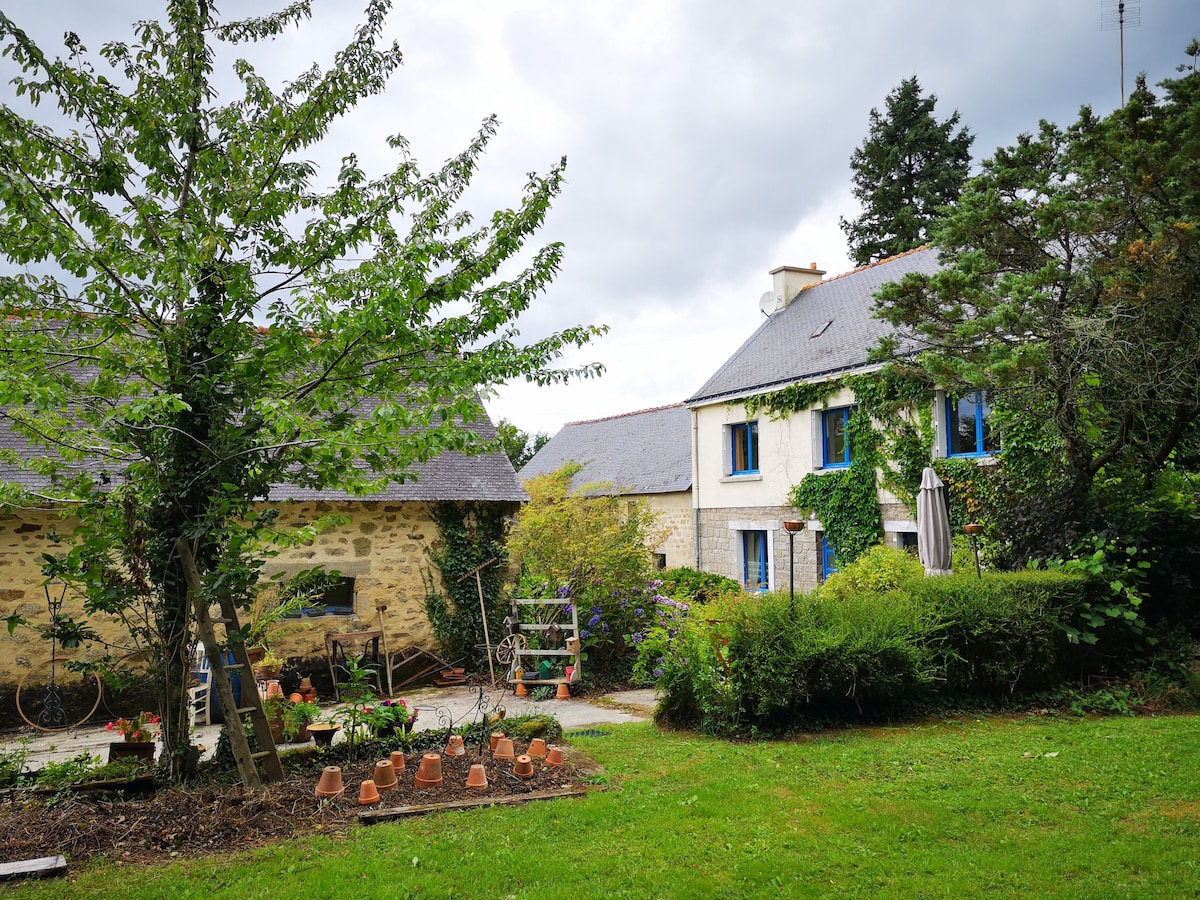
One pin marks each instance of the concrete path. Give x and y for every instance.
(457, 702)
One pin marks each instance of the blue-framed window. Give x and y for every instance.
(754, 560)
(828, 559)
(969, 427)
(744, 448)
(835, 437)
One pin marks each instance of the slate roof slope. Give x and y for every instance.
(450, 476)
(644, 452)
(791, 346)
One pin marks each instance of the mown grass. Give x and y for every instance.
(975, 807)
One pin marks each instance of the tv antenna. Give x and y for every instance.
(1116, 15)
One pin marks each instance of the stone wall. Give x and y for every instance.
(675, 513)
(719, 537)
(383, 546)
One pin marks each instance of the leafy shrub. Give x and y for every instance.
(764, 663)
(880, 569)
(594, 547)
(666, 618)
(693, 586)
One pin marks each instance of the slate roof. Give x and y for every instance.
(450, 476)
(645, 452)
(791, 346)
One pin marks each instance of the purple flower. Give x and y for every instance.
(584, 633)
(597, 609)
(564, 591)
(665, 601)
(684, 607)
(656, 584)
(604, 625)
(658, 673)
(639, 612)
(593, 621)
(638, 637)
(624, 604)
(567, 609)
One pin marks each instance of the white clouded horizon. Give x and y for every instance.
(707, 142)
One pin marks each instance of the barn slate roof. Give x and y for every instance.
(643, 452)
(827, 330)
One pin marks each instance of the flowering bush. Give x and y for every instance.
(136, 729)
(653, 635)
(389, 717)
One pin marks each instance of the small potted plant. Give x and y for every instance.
(137, 737)
(296, 719)
(276, 708)
(391, 717)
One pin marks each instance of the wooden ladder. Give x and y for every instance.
(248, 762)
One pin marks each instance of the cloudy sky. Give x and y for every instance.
(707, 142)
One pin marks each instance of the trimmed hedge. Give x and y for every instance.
(841, 655)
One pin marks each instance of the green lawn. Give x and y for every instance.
(977, 807)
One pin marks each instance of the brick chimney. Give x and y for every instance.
(789, 280)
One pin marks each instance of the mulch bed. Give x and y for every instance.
(216, 818)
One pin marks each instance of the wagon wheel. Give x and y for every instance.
(508, 648)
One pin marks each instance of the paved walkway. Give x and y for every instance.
(458, 702)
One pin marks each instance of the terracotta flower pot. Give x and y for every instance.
(504, 749)
(537, 747)
(274, 689)
(397, 760)
(554, 757)
(429, 772)
(522, 691)
(143, 750)
(295, 697)
(323, 732)
(330, 784)
(477, 778)
(385, 775)
(523, 766)
(368, 793)
(456, 746)
(563, 693)
(494, 738)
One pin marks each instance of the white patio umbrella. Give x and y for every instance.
(933, 525)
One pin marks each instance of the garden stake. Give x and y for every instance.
(487, 641)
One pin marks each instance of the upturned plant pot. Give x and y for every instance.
(523, 766)
(368, 793)
(537, 748)
(495, 738)
(456, 747)
(429, 772)
(477, 777)
(306, 689)
(563, 693)
(554, 757)
(330, 785)
(385, 775)
(504, 749)
(143, 750)
(323, 732)
(397, 760)
(522, 691)
(274, 689)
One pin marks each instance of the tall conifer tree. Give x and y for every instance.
(908, 167)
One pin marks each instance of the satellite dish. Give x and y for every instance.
(770, 303)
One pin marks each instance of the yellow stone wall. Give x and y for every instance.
(676, 515)
(384, 547)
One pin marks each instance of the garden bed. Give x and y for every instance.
(217, 818)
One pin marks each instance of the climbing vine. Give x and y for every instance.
(891, 431)
(469, 534)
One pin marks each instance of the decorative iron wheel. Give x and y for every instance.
(508, 648)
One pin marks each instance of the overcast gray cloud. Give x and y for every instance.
(707, 142)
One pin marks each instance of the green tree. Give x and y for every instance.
(519, 446)
(907, 169)
(1070, 289)
(151, 236)
(594, 546)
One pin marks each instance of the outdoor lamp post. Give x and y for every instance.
(792, 529)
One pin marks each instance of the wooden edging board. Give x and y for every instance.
(42, 867)
(420, 809)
